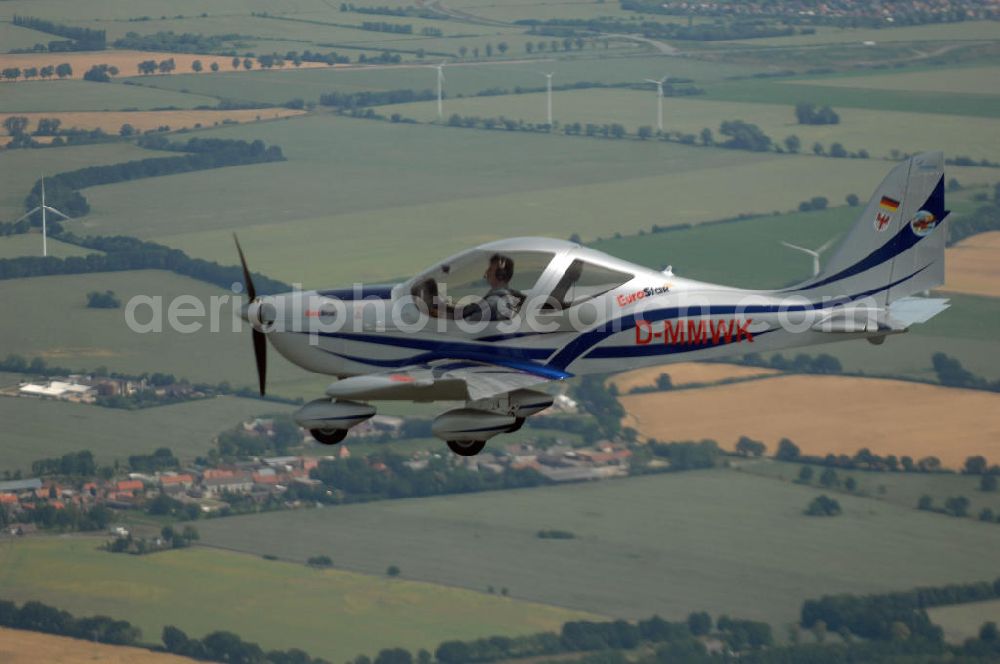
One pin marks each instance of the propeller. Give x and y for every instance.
(259, 338)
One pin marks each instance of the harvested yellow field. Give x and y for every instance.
(685, 373)
(973, 265)
(127, 62)
(112, 121)
(21, 647)
(828, 414)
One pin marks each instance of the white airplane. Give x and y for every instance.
(490, 325)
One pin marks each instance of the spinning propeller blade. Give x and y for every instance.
(259, 339)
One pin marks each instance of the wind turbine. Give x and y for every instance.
(43, 208)
(548, 87)
(659, 100)
(440, 79)
(814, 253)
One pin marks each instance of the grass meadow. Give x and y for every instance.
(333, 614)
(720, 540)
(70, 95)
(37, 428)
(962, 621)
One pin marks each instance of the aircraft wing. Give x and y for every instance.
(449, 379)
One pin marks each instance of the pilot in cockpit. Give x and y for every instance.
(501, 299)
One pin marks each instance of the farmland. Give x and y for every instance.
(30, 244)
(87, 96)
(960, 80)
(949, 423)
(686, 373)
(21, 647)
(878, 132)
(112, 121)
(973, 265)
(719, 540)
(332, 614)
(963, 621)
(113, 434)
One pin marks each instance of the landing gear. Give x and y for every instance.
(328, 436)
(466, 448)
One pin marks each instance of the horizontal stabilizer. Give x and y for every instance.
(913, 310)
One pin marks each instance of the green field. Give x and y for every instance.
(15, 37)
(901, 489)
(920, 35)
(962, 621)
(378, 200)
(22, 168)
(878, 132)
(30, 244)
(461, 78)
(37, 428)
(961, 80)
(75, 95)
(331, 614)
(719, 540)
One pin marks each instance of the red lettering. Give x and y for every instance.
(697, 335)
(643, 332)
(743, 330)
(720, 330)
(673, 335)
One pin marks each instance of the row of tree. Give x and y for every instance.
(808, 114)
(62, 70)
(739, 29)
(39, 617)
(79, 39)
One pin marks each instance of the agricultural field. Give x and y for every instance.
(962, 621)
(126, 61)
(53, 96)
(973, 265)
(37, 428)
(683, 374)
(388, 191)
(923, 35)
(112, 121)
(22, 647)
(719, 540)
(30, 244)
(22, 168)
(982, 80)
(900, 489)
(14, 36)
(948, 423)
(462, 78)
(333, 614)
(878, 132)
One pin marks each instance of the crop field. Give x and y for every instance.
(30, 244)
(52, 96)
(126, 61)
(331, 614)
(720, 541)
(973, 265)
(389, 191)
(878, 132)
(37, 428)
(962, 80)
(962, 621)
(900, 489)
(112, 121)
(461, 78)
(922, 35)
(22, 168)
(22, 647)
(685, 373)
(14, 36)
(948, 423)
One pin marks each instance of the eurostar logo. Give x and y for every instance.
(626, 299)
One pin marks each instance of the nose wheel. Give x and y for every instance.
(466, 447)
(328, 436)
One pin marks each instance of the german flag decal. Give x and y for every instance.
(889, 204)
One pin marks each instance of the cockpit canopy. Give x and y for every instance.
(559, 274)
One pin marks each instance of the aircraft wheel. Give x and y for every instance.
(328, 436)
(466, 447)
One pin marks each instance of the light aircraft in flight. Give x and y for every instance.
(489, 326)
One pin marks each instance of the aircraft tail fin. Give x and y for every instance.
(896, 247)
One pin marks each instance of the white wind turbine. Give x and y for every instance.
(812, 252)
(43, 208)
(548, 87)
(440, 81)
(659, 100)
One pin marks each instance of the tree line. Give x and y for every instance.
(740, 29)
(385, 10)
(173, 42)
(347, 100)
(61, 70)
(79, 39)
(39, 617)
